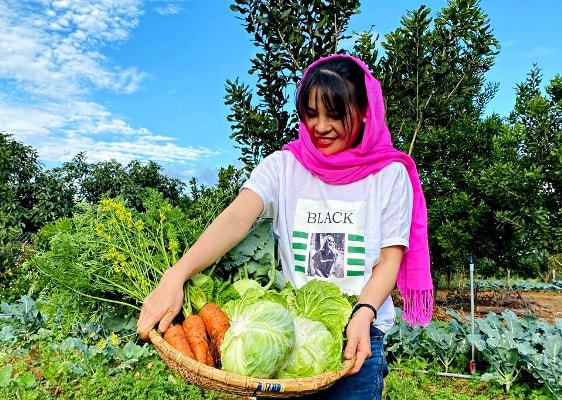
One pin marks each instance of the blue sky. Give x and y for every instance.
(134, 79)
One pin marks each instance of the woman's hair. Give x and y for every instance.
(341, 83)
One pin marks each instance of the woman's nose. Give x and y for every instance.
(323, 125)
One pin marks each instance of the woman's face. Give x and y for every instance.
(327, 131)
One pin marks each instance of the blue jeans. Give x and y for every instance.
(366, 384)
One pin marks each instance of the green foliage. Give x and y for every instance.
(112, 253)
(29, 196)
(521, 285)
(204, 203)
(92, 182)
(432, 74)
(289, 35)
(92, 361)
(511, 345)
(511, 350)
(432, 70)
(254, 258)
(523, 182)
(447, 343)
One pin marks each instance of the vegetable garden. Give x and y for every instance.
(74, 337)
(81, 245)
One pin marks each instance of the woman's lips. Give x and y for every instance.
(324, 142)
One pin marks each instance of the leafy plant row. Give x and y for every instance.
(42, 356)
(497, 284)
(509, 349)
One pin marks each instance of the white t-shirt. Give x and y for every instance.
(334, 232)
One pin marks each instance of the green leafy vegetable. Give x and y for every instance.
(260, 339)
(315, 351)
(323, 302)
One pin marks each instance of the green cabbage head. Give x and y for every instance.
(316, 351)
(260, 338)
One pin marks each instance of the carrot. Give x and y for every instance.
(196, 334)
(216, 322)
(175, 336)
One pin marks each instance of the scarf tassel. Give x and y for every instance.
(418, 306)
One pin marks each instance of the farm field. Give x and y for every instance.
(547, 305)
(103, 360)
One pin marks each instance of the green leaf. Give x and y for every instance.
(28, 380)
(5, 375)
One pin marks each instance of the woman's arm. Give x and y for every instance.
(375, 292)
(228, 229)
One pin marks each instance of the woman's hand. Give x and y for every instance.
(358, 338)
(162, 304)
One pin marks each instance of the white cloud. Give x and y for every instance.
(51, 61)
(84, 126)
(508, 43)
(540, 51)
(170, 9)
(53, 48)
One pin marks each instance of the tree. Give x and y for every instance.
(524, 181)
(289, 36)
(433, 78)
(91, 182)
(29, 196)
(432, 75)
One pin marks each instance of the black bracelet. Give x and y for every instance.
(359, 305)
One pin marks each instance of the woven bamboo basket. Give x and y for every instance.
(212, 378)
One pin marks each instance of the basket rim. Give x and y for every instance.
(318, 382)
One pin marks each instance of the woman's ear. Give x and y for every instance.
(364, 115)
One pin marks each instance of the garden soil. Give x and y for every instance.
(546, 305)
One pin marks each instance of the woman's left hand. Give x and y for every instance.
(358, 338)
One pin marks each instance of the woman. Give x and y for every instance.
(341, 177)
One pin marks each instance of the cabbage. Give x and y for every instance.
(244, 285)
(323, 302)
(315, 351)
(260, 338)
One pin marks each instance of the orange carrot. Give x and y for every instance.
(196, 334)
(175, 336)
(210, 358)
(216, 322)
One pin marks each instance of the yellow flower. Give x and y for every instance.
(114, 339)
(162, 217)
(101, 344)
(140, 225)
(106, 204)
(173, 245)
(99, 229)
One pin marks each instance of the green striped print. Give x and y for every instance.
(300, 257)
(355, 273)
(356, 238)
(300, 234)
(300, 246)
(353, 249)
(355, 261)
(298, 268)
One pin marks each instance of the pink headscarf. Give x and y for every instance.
(374, 153)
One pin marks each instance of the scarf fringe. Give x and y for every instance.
(418, 306)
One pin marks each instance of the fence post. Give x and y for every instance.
(472, 363)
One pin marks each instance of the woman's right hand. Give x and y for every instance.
(162, 304)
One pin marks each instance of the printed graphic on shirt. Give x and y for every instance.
(328, 238)
(327, 255)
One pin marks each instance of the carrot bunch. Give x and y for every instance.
(200, 335)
